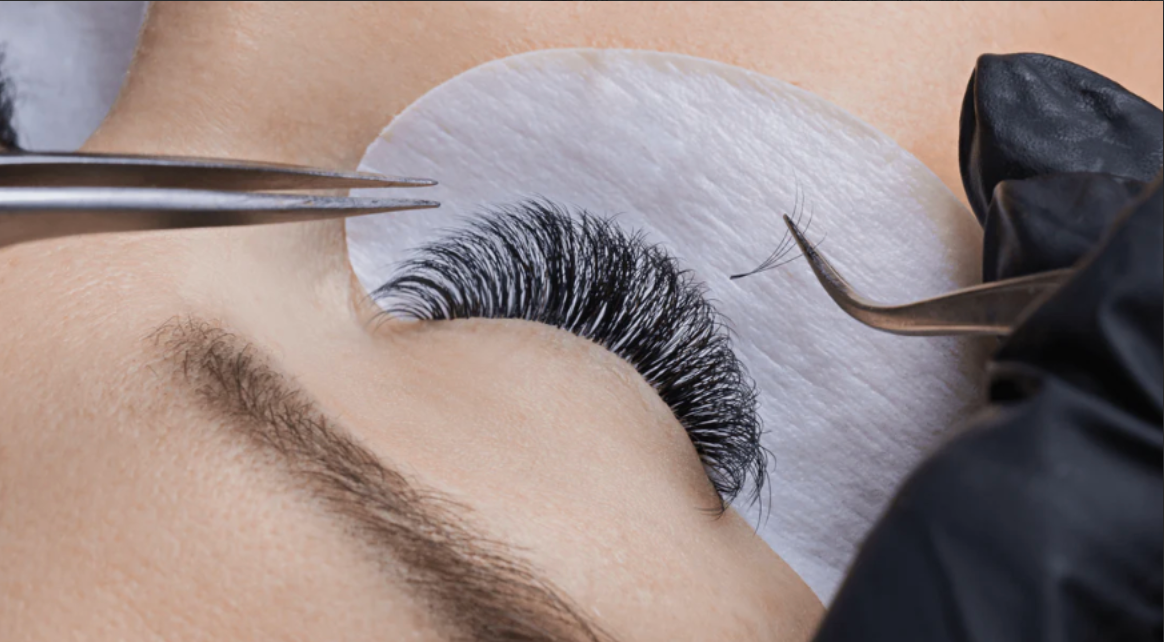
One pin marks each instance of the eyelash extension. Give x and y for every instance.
(583, 274)
(8, 141)
(787, 244)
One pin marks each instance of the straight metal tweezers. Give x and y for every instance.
(45, 195)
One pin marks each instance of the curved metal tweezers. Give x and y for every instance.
(45, 195)
(988, 309)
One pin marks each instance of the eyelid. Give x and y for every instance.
(469, 580)
(534, 261)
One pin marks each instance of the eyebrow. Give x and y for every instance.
(477, 588)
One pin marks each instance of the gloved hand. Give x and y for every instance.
(1045, 519)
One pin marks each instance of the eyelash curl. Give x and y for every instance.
(536, 262)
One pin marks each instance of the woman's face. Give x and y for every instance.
(209, 434)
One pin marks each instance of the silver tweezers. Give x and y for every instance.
(45, 195)
(991, 309)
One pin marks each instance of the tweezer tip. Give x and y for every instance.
(796, 234)
(396, 181)
(393, 205)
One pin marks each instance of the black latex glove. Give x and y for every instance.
(1045, 520)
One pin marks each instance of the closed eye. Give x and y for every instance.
(534, 261)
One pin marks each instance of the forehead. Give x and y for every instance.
(130, 513)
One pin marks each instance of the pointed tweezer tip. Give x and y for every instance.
(798, 237)
(392, 181)
(389, 204)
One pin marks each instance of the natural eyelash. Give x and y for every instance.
(583, 274)
(8, 140)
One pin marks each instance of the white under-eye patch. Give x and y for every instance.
(705, 157)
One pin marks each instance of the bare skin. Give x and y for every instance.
(128, 513)
(900, 67)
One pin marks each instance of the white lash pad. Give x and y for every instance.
(705, 157)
